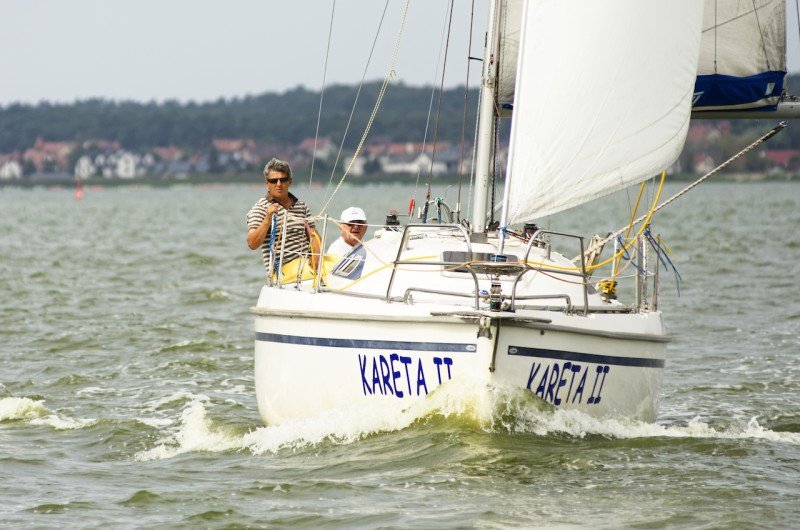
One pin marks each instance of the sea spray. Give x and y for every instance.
(196, 433)
(486, 408)
(35, 413)
(15, 408)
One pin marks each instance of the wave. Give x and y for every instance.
(474, 407)
(35, 413)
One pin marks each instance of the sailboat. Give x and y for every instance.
(595, 109)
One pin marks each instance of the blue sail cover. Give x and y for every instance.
(717, 91)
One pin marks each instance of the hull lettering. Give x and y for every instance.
(402, 376)
(566, 382)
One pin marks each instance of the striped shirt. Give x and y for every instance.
(297, 242)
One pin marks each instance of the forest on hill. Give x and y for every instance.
(271, 118)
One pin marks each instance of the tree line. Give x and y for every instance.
(272, 118)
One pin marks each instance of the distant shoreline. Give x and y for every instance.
(255, 179)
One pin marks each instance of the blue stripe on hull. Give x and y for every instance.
(718, 90)
(365, 344)
(585, 357)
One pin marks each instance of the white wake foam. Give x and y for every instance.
(489, 409)
(195, 434)
(14, 408)
(35, 413)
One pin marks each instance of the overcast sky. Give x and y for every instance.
(143, 50)
(59, 50)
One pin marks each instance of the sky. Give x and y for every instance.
(202, 50)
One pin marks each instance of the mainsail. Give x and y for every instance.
(742, 55)
(601, 105)
(508, 26)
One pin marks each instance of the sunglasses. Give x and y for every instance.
(281, 179)
(357, 223)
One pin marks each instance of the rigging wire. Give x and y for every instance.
(464, 119)
(438, 111)
(390, 74)
(797, 12)
(474, 160)
(716, 25)
(428, 118)
(322, 94)
(761, 33)
(355, 101)
(493, 195)
(630, 226)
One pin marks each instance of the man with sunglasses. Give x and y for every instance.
(353, 228)
(300, 235)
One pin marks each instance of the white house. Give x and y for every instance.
(411, 164)
(84, 168)
(10, 169)
(127, 166)
(358, 165)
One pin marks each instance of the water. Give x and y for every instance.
(127, 383)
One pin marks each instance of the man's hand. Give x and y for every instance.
(257, 236)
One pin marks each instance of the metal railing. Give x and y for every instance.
(496, 269)
(536, 237)
(404, 241)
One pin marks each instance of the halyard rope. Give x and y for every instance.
(390, 74)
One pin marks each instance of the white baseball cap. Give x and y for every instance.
(353, 214)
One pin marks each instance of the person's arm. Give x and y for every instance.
(256, 236)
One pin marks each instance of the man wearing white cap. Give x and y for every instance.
(353, 228)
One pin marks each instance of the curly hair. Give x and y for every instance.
(278, 165)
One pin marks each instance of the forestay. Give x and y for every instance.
(603, 98)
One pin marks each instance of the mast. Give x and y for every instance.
(507, 184)
(486, 116)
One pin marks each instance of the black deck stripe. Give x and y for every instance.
(585, 357)
(365, 344)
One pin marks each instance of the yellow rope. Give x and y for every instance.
(382, 267)
(625, 246)
(553, 266)
(630, 225)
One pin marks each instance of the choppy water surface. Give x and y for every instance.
(127, 383)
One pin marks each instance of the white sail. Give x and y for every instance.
(509, 15)
(603, 98)
(742, 54)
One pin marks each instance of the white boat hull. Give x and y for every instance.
(309, 362)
